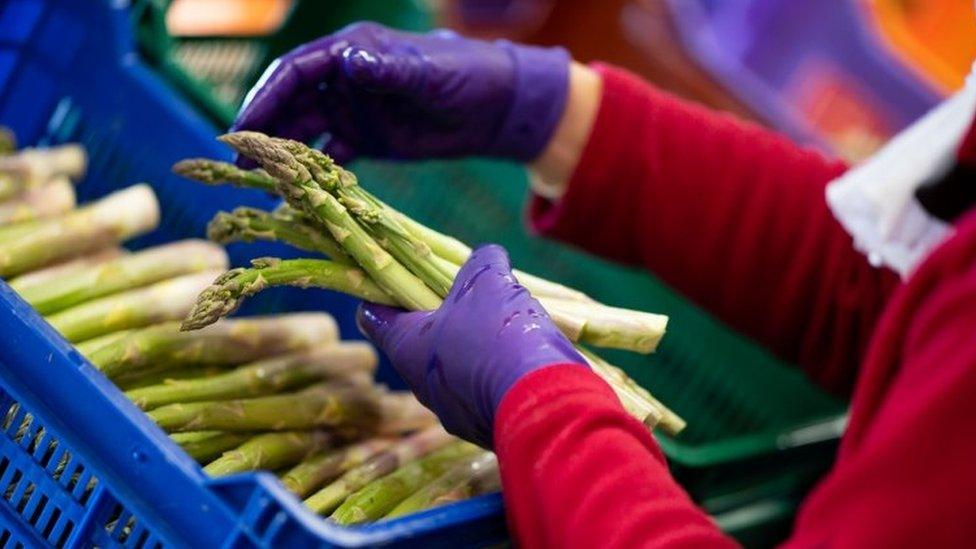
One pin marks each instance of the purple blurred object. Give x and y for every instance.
(503, 13)
(374, 91)
(814, 69)
(461, 359)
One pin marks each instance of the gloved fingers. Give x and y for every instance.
(404, 338)
(488, 273)
(282, 82)
(383, 72)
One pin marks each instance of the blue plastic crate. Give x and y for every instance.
(91, 470)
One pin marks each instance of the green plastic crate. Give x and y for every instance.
(214, 72)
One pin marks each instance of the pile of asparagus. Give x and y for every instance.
(279, 393)
(380, 255)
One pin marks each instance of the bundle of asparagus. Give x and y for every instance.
(380, 255)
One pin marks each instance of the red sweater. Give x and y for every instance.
(735, 217)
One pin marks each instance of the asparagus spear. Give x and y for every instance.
(476, 474)
(115, 218)
(37, 166)
(403, 413)
(212, 172)
(297, 186)
(41, 277)
(270, 451)
(8, 141)
(166, 300)
(376, 499)
(627, 389)
(350, 361)
(283, 224)
(87, 348)
(341, 406)
(324, 467)
(402, 451)
(227, 293)
(227, 343)
(48, 200)
(177, 373)
(125, 273)
(204, 446)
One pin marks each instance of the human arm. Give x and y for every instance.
(730, 214)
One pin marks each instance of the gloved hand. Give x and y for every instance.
(384, 93)
(461, 359)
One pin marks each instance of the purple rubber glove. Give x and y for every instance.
(378, 92)
(461, 359)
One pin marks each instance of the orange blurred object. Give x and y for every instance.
(226, 17)
(937, 37)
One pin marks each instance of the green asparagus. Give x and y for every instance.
(8, 141)
(474, 475)
(376, 499)
(204, 446)
(350, 361)
(284, 224)
(227, 343)
(115, 218)
(166, 300)
(51, 199)
(227, 293)
(42, 277)
(401, 452)
(340, 406)
(324, 467)
(270, 451)
(212, 172)
(125, 273)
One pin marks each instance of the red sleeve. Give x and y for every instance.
(577, 471)
(904, 475)
(730, 214)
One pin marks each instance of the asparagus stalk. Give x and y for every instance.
(611, 327)
(341, 406)
(403, 413)
(283, 224)
(204, 446)
(401, 452)
(115, 218)
(324, 467)
(227, 293)
(36, 166)
(213, 172)
(270, 451)
(8, 141)
(125, 273)
(87, 348)
(42, 277)
(176, 374)
(51, 199)
(297, 186)
(350, 361)
(476, 474)
(166, 300)
(627, 388)
(227, 343)
(376, 499)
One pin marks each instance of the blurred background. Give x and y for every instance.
(843, 75)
